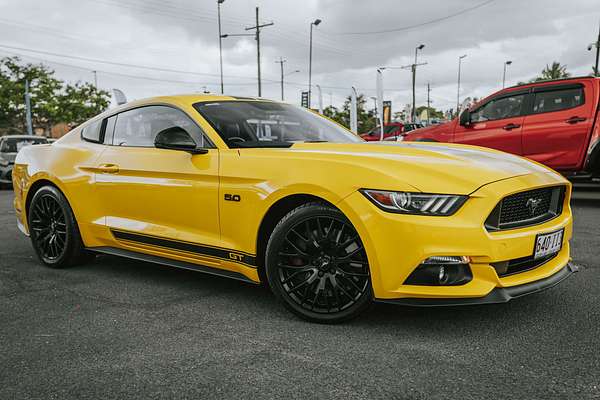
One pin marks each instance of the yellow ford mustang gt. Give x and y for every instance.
(268, 192)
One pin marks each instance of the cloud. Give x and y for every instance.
(182, 35)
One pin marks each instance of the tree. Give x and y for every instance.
(52, 100)
(433, 113)
(555, 71)
(366, 118)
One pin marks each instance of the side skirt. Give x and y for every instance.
(171, 263)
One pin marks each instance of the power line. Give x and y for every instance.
(120, 64)
(408, 27)
(193, 16)
(129, 75)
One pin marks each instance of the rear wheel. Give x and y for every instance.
(53, 230)
(317, 266)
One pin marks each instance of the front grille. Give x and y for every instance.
(519, 265)
(526, 208)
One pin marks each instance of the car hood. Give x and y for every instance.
(428, 167)
(428, 129)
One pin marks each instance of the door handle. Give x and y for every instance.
(574, 120)
(108, 168)
(509, 127)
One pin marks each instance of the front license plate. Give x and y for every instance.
(547, 243)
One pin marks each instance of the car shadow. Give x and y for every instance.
(161, 283)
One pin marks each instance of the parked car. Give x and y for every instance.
(9, 147)
(391, 130)
(555, 123)
(310, 209)
(411, 126)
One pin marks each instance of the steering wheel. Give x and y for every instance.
(236, 139)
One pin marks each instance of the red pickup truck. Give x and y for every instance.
(552, 122)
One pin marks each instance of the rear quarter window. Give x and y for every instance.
(92, 132)
(556, 100)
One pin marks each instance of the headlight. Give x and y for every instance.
(415, 203)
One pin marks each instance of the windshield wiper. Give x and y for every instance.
(315, 141)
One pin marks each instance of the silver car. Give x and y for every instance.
(9, 147)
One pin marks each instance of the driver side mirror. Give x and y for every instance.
(465, 117)
(177, 138)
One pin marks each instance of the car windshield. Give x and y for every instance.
(269, 124)
(13, 145)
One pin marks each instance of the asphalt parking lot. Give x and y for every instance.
(124, 329)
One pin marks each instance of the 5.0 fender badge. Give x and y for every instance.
(232, 197)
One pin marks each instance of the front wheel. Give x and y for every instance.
(317, 266)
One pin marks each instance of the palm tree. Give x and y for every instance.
(555, 71)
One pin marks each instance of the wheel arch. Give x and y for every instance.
(272, 217)
(33, 188)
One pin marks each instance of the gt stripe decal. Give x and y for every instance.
(224, 254)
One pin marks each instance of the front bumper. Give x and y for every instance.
(396, 244)
(497, 295)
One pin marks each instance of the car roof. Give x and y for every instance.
(550, 81)
(177, 99)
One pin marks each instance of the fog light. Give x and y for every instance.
(441, 271)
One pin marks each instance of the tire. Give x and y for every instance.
(53, 230)
(317, 266)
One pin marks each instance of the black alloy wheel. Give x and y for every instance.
(54, 231)
(49, 227)
(317, 264)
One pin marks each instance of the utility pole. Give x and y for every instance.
(458, 87)
(280, 62)
(95, 78)
(257, 37)
(428, 103)
(315, 23)
(219, 2)
(28, 108)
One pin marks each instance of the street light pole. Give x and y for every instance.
(414, 78)
(315, 23)
(597, 44)
(506, 63)
(219, 2)
(28, 108)
(458, 87)
(375, 109)
(95, 78)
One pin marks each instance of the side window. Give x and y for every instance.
(91, 133)
(505, 107)
(138, 127)
(557, 100)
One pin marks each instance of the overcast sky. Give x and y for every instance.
(73, 36)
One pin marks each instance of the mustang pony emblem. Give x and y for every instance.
(532, 205)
